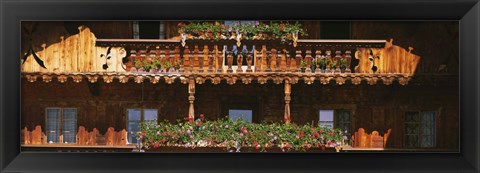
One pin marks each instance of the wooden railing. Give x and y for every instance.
(223, 56)
(84, 53)
(362, 139)
(83, 137)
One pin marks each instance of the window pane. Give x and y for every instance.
(342, 120)
(69, 125)
(133, 126)
(428, 129)
(134, 114)
(326, 118)
(245, 115)
(150, 114)
(53, 125)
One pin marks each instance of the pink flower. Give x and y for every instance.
(142, 151)
(158, 133)
(188, 131)
(201, 115)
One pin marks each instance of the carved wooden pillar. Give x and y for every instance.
(298, 59)
(286, 117)
(201, 58)
(269, 61)
(250, 60)
(258, 60)
(318, 57)
(337, 59)
(196, 57)
(191, 60)
(239, 62)
(210, 61)
(219, 57)
(279, 61)
(308, 57)
(349, 60)
(229, 61)
(191, 98)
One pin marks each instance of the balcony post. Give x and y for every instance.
(191, 99)
(286, 117)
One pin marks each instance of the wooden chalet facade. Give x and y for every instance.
(90, 85)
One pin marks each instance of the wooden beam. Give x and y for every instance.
(191, 98)
(287, 101)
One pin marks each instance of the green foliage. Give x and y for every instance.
(323, 62)
(343, 63)
(278, 30)
(227, 133)
(333, 65)
(303, 63)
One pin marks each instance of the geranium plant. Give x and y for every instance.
(237, 134)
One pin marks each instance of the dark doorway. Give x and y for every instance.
(149, 29)
(335, 30)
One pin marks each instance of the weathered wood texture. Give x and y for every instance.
(436, 41)
(84, 137)
(374, 107)
(364, 140)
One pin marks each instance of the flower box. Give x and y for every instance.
(173, 149)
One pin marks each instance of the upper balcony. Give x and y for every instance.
(84, 56)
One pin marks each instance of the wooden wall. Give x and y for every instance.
(376, 107)
(437, 42)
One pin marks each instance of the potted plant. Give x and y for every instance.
(303, 65)
(333, 65)
(177, 65)
(167, 66)
(343, 64)
(323, 64)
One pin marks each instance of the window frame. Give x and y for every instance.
(335, 119)
(420, 135)
(61, 124)
(142, 119)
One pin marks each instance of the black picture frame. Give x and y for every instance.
(466, 11)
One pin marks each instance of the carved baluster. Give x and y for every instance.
(318, 58)
(186, 59)
(279, 61)
(142, 58)
(133, 59)
(338, 56)
(152, 58)
(191, 60)
(177, 58)
(329, 61)
(171, 58)
(220, 57)
(349, 61)
(308, 58)
(258, 60)
(210, 61)
(240, 60)
(250, 59)
(229, 61)
(201, 56)
(298, 59)
(195, 60)
(269, 61)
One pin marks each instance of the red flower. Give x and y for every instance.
(181, 24)
(198, 123)
(163, 140)
(321, 131)
(282, 27)
(201, 115)
(317, 134)
(257, 147)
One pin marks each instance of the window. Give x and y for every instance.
(335, 119)
(148, 30)
(61, 125)
(419, 129)
(245, 115)
(135, 117)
